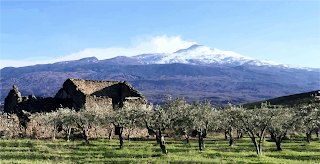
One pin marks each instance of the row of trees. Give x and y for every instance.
(191, 119)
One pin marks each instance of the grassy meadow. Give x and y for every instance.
(101, 150)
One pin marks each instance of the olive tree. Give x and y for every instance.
(280, 124)
(228, 121)
(52, 121)
(133, 118)
(307, 118)
(148, 121)
(85, 119)
(67, 117)
(204, 119)
(254, 122)
(156, 120)
(125, 117)
(117, 117)
(181, 118)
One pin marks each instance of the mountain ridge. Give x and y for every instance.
(195, 55)
(196, 81)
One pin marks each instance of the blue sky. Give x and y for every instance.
(33, 32)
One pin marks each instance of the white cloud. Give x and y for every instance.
(159, 44)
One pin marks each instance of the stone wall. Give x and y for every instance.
(72, 91)
(127, 92)
(101, 101)
(12, 100)
(134, 101)
(15, 103)
(114, 91)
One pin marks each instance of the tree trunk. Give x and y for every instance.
(110, 134)
(200, 140)
(261, 139)
(279, 147)
(68, 134)
(277, 140)
(158, 137)
(121, 139)
(129, 137)
(239, 134)
(162, 144)
(85, 137)
(202, 143)
(204, 134)
(231, 137)
(25, 130)
(309, 138)
(187, 138)
(225, 134)
(256, 145)
(260, 147)
(273, 137)
(54, 134)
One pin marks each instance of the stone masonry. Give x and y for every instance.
(77, 93)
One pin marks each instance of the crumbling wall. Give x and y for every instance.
(128, 91)
(47, 104)
(12, 100)
(15, 103)
(77, 93)
(130, 96)
(72, 91)
(101, 101)
(117, 91)
(113, 92)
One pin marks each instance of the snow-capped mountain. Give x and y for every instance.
(202, 55)
(192, 54)
(197, 73)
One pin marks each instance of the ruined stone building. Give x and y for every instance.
(77, 93)
(88, 93)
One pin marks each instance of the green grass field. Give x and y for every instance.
(101, 150)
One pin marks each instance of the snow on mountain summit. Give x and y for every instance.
(194, 55)
(202, 55)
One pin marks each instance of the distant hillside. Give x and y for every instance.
(289, 100)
